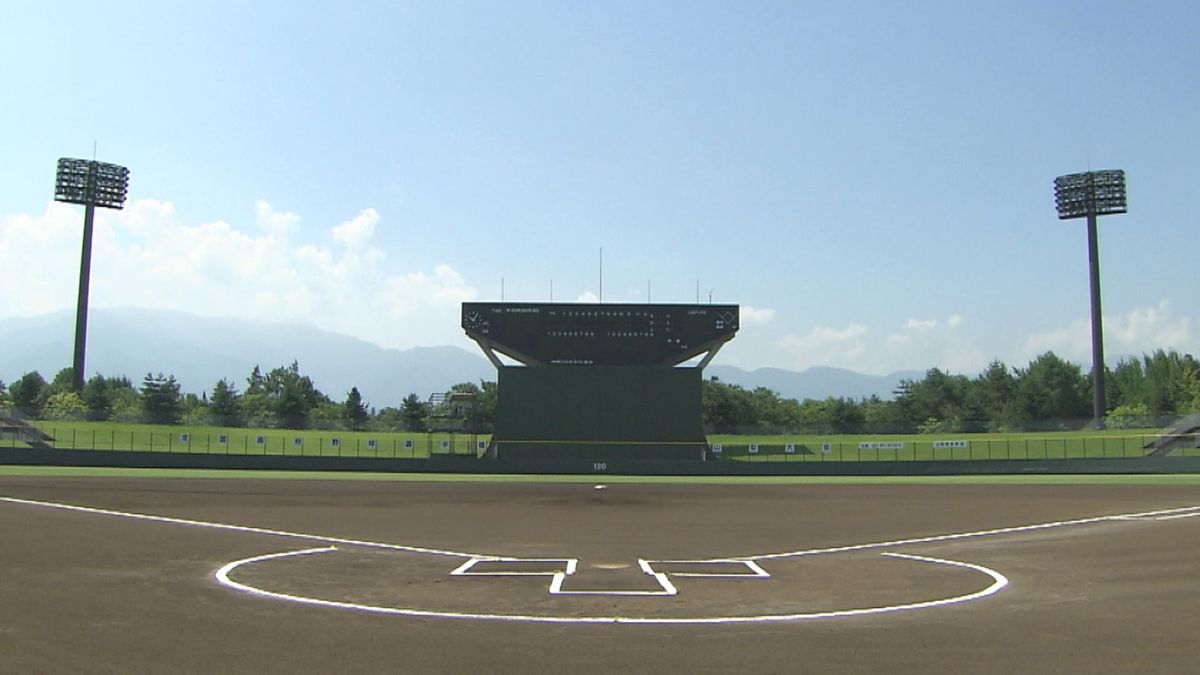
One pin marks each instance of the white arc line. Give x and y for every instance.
(999, 581)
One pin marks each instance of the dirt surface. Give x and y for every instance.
(375, 590)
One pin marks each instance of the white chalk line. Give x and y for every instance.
(563, 568)
(979, 533)
(1190, 512)
(237, 528)
(1159, 514)
(1176, 516)
(999, 581)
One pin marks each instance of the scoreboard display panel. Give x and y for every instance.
(573, 334)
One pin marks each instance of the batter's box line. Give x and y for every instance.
(559, 565)
(566, 567)
(753, 570)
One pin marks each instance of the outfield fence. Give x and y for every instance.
(416, 445)
(274, 442)
(1102, 446)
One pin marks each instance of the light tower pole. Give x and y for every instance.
(1092, 194)
(92, 184)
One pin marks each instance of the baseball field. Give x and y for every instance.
(152, 571)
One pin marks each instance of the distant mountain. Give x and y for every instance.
(199, 351)
(815, 383)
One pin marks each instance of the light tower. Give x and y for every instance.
(1092, 194)
(92, 184)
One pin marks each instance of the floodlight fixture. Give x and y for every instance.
(1089, 195)
(92, 184)
(82, 181)
(1099, 193)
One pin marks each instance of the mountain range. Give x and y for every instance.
(199, 351)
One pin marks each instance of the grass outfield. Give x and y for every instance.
(241, 441)
(1088, 443)
(804, 448)
(1039, 479)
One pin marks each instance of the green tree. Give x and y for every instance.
(845, 415)
(161, 401)
(255, 408)
(1054, 391)
(98, 395)
(774, 412)
(3, 392)
(194, 410)
(1129, 416)
(990, 396)
(64, 380)
(414, 411)
(1170, 380)
(388, 419)
(485, 407)
(327, 415)
(939, 401)
(354, 412)
(813, 416)
(880, 416)
(26, 393)
(225, 405)
(726, 408)
(126, 403)
(65, 405)
(1126, 384)
(474, 405)
(290, 396)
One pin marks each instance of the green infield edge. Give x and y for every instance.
(1038, 479)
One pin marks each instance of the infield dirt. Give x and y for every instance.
(85, 591)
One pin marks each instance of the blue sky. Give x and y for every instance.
(871, 181)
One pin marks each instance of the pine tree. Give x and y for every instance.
(225, 403)
(354, 411)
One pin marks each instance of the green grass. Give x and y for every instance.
(1123, 479)
(1088, 443)
(307, 442)
(809, 448)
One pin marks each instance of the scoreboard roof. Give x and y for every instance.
(552, 334)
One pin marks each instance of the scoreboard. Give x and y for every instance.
(572, 334)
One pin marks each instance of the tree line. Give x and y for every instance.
(1049, 393)
(282, 397)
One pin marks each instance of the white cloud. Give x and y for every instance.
(275, 222)
(753, 316)
(146, 256)
(826, 346)
(917, 345)
(1146, 329)
(934, 343)
(357, 232)
(824, 335)
(588, 297)
(1142, 330)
